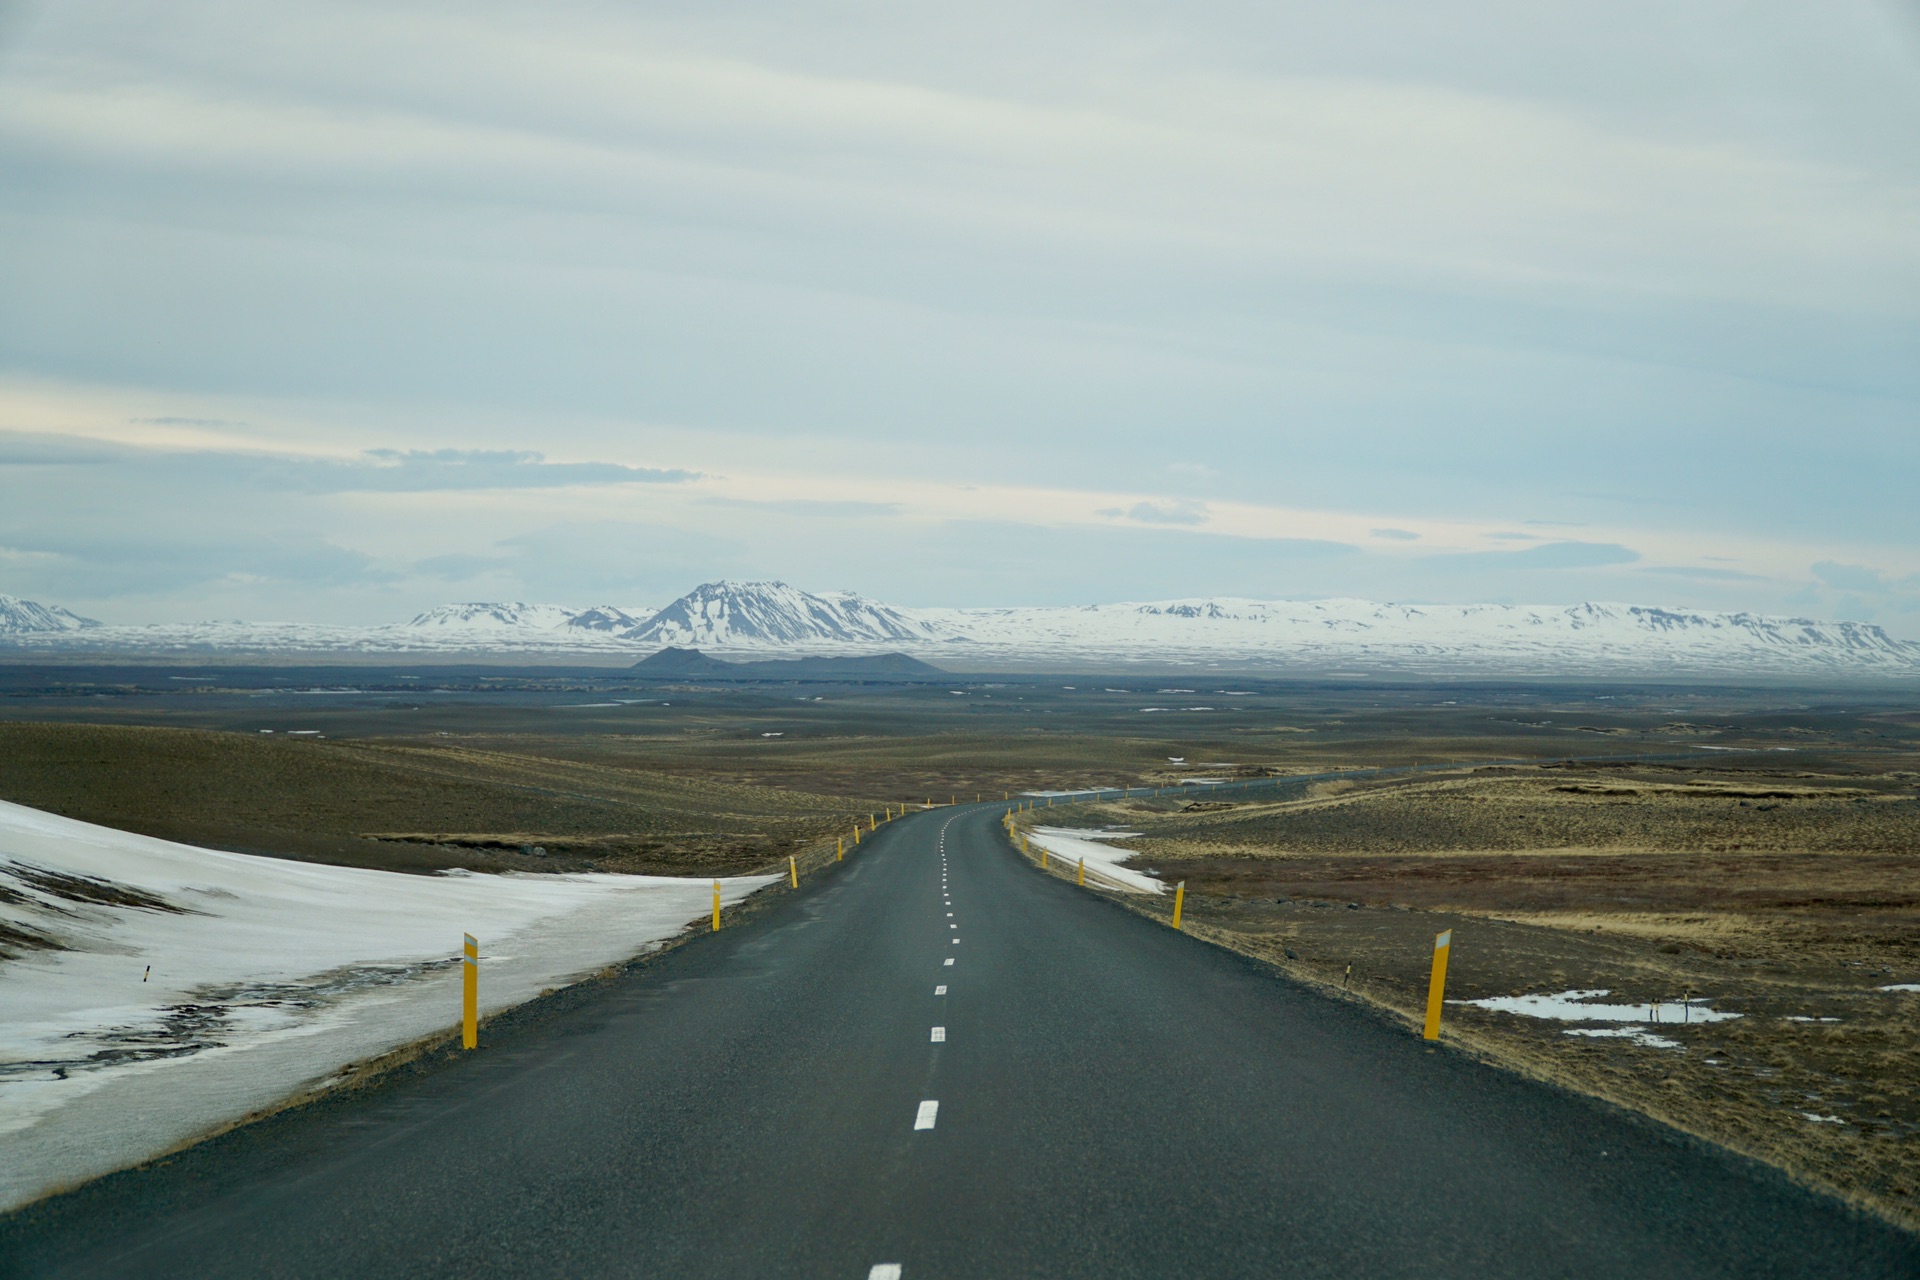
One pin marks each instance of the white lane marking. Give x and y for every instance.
(956, 942)
(939, 1035)
(952, 926)
(940, 990)
(950, 916)
(924, 1119)
(884, 1271)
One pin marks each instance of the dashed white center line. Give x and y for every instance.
(923, 1119)
(950, 916)
(939, 1035)
(952, 926)
(950, 958)
(884, 1271)
(941, 990)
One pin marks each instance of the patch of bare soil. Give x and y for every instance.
(1788, 898)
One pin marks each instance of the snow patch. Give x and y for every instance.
(1578, 1006)
(1075, 843)
(1645, 1038)
(267, 978)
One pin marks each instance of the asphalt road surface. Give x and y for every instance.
(937, 1059)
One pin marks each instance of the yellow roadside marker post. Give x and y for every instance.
(856, 833)
(1437, 987)
(1083, 873)
(793, 871)
(1179, 900)
(871, 824)
(470, 993)
(840, 850)
(716, 906)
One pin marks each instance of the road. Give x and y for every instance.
(1114, 1099)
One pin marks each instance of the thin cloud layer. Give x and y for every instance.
(1154, 282)
(420, 471)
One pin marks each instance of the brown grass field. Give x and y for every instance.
(1772, 872)
(1783, 893)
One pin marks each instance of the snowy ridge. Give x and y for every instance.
(1522, 638)
(723, 615)
(24, 616)
(605, 617)
(487, 616)
(266, 978)
(772, 619)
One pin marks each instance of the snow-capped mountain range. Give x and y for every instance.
(758, 615)
(21, 617)
(762, 619)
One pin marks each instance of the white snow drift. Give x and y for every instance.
(1070, 844)
(1583, 1006)
(267, 978)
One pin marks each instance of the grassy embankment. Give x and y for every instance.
(1783, 890)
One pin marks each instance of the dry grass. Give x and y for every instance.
(1785, 895)
(409, 806)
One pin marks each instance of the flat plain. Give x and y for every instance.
(1690, 847)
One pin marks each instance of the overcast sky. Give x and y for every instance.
(336, 311)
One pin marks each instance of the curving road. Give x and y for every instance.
(1113, 1099)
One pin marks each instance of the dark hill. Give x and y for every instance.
(691, 664)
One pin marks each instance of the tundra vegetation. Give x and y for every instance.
(1757, 853)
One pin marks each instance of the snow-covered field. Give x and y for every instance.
(1070, 844)
(266, 978)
